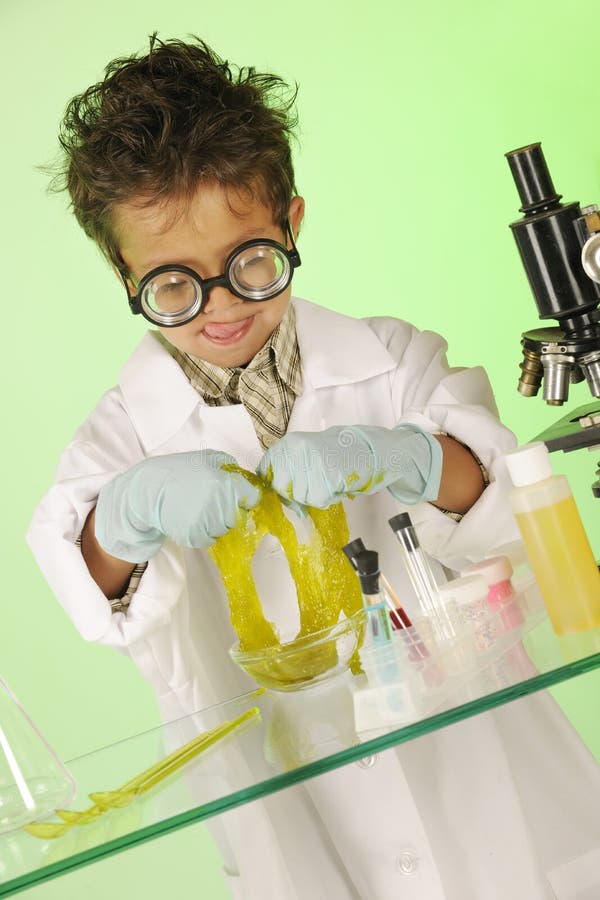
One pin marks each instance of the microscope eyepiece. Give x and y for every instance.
(532, 178)
(550, 246)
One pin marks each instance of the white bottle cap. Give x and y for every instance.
(493, 570)
(464, 590)
(529, 464)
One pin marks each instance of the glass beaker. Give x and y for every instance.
(33, 781)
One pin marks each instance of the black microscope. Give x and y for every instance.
(559, 245)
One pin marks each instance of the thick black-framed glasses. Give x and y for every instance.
(172, 295)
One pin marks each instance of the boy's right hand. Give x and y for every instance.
(186, 497)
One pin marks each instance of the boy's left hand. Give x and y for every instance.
(320, 468)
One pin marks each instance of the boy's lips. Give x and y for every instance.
(227, 332)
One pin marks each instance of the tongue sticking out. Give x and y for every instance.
(222, 330)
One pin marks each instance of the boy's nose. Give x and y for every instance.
(220, 299)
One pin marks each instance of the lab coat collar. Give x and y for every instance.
(334, 349)
(158, 396)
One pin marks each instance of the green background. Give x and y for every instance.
(406, 112)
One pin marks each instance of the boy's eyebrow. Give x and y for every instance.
(249, 234)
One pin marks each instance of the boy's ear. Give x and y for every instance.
(296, 214)
(124, 280)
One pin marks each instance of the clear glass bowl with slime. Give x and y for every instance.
(326, 588)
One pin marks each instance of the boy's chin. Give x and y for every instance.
(226, 357)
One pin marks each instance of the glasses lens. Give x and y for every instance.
(171, 297)
(260, 272)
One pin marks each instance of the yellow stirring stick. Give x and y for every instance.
(105, 800)
(123, 796)
(147, 779)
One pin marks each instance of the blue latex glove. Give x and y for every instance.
(186, 497)
(322, 467)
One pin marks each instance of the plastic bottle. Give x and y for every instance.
(555, 540)
(527, 594)
(497, 572)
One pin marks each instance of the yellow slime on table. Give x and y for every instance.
(325, 584)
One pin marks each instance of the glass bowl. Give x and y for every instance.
(306, 660)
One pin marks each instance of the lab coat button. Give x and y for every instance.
(367, 762)
(407, 863)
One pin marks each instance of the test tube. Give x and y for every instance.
(367, 567)
(380, 650)
(421, 576)
(398, 614)
(417, 650)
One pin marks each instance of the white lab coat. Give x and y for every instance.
(473, 812)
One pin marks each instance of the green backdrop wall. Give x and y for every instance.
(406, 113)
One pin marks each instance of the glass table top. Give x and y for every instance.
(287, 738)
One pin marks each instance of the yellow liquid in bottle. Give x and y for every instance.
(563, 564)
(325, 584)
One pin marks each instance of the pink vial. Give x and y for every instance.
(496, 572)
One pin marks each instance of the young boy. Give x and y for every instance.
(181, 172)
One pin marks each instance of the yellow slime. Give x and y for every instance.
(325, 586)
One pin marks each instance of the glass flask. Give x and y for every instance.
(33, 781)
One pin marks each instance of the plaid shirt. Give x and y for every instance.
(267, 385)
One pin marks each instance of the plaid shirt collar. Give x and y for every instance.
(211, 381)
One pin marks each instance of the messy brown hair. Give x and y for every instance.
(159, 125)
